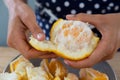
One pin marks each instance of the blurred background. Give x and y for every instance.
(4, 21)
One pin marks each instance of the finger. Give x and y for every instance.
(92, 19)
(108, 57)
(94, 58)
(26, 50)
(30, 52)
(81, 16)
(48, 55)
(30, 22)
(21, 44)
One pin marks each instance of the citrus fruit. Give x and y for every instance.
(73, 40)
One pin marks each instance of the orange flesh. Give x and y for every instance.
(74, 32)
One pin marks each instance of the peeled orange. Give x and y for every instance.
(73, 40)
(19, 67)
(92, 74)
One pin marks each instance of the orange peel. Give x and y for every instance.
(73, 40)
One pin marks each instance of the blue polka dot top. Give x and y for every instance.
(47, 11)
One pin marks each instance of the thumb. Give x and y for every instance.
(90, 18)
(95, 20)
(81, 16)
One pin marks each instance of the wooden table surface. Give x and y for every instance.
(7, 54)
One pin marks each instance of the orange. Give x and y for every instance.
(19, 67)
(73, 40)
(92, 74)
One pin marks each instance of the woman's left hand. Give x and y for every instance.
(109, 26)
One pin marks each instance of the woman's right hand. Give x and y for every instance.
(22, 20)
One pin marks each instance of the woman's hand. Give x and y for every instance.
(21, 21)
(109, 27)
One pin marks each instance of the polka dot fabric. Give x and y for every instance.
(47, 11)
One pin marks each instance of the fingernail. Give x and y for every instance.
(39, 36)
(66, 62)
(69, 15)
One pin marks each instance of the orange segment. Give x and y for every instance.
(19, 66)
(57, 69)
(92, 74)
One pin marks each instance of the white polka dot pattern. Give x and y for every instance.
(47, 4)
(111, 4)
(44, 31)
(89, 12)
(116, 8)
(60, 8)
(47, 38)
(47, 26)
(104, 0)
(96, 6)
(40, 24)
(73, 11)
(81, 5)
(53, 1)
(89, 0)
(66, 4)
(108, 8)
(103, 11)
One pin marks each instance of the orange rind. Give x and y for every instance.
(73, 40)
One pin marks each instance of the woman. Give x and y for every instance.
(22, 19)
